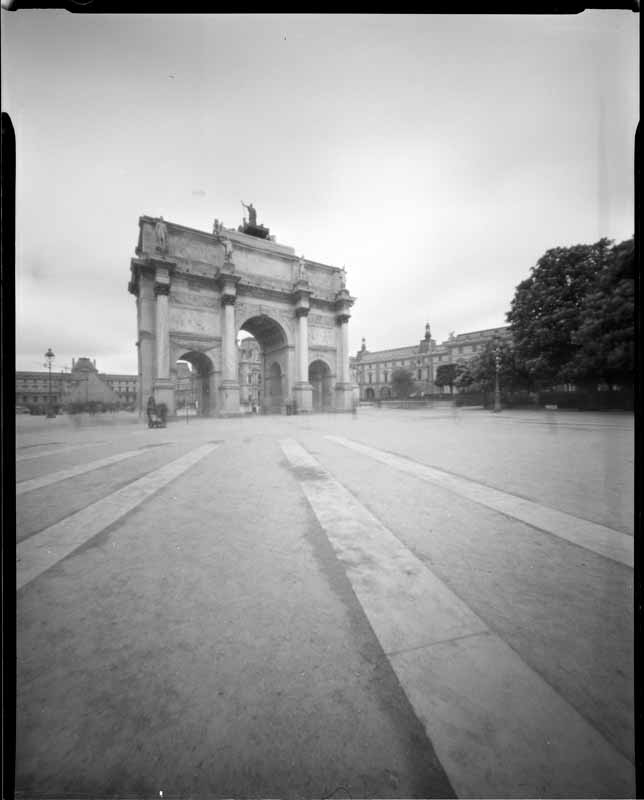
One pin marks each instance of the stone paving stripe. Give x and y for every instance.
(592, 536)
(498, 728)
(28, 456)
(72, 472)
(44, 549)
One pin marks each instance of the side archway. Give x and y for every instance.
(275, 388)
(320, 380)
(193, 389)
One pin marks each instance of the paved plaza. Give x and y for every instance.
(398, 603)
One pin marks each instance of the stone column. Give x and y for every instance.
(343, 386)
(139, 397)
(303, 344)
(142, 287)
(302, 391)
(162, 290)
(163, 385)
(229, 389)
(230, 345)
(344, 335)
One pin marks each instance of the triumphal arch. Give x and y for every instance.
(195, 291)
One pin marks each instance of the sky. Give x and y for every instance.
(437, 157)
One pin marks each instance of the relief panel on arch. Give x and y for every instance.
(191, 320)
(324, 337)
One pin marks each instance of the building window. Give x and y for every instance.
(419, 374)
(370, 377)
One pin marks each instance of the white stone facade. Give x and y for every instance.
(372, 370)
(196, 291)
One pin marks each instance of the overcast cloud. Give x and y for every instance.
(437, 157)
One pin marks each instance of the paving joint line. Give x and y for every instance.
(489, 632)
(38, 553)
(484, 681)
(596, 538)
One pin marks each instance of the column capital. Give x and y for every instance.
(343, 297)
(302, 297)
(227, 282)
(342, 318)
(161, 289)
(343, 302)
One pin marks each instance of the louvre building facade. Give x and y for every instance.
(372, 371)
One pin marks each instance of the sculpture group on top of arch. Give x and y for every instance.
(195, 291)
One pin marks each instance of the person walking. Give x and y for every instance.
(151, 409)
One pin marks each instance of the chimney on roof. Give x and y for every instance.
(364, 344)
(73, 363)
(428, 334)
(94, 362)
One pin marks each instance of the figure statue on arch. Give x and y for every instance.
(161, 233)
(252, 213)
(228, 249)
(301, 271)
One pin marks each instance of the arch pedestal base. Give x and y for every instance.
(229, 395)
(344, 397)
(164, 393)
(303, 396)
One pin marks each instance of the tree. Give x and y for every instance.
(445, 376)
(402, 382)
(606, 335)
(464, 380)
(480, 373)
(548, 309)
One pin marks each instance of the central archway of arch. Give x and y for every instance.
(277, 362)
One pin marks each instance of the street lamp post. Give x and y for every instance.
(497, 390)
(49, 355)
(188, 394)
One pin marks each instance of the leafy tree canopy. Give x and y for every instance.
(606, 334)
(402, 382)
(445, 375)
(483, 367)
(572, 318)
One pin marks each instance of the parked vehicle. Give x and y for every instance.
(22, 410)
(157, 415)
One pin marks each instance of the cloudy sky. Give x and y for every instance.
(436, 156)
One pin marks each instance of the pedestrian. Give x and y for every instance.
(151, 410)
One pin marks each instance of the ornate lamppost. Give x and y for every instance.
(497, 390)
(49, 355)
